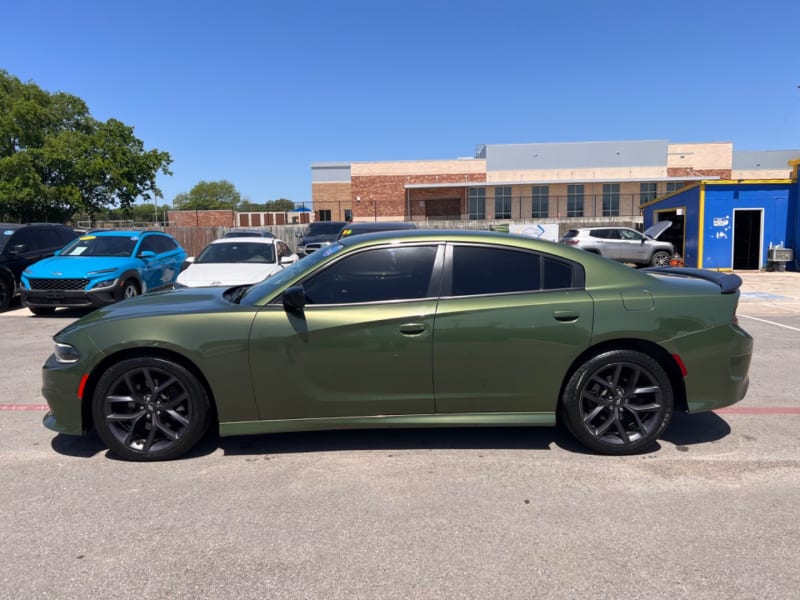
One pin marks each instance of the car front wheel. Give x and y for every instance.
(618, 402)
(149, 409)
(129, 289)
(660, 259)
(6, 290)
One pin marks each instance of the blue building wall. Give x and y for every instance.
(709, 218)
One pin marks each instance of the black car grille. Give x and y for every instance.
(58, 284)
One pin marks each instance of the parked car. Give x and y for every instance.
(624, 244)
(374, 227)
(239, 232)
(319, 234)
(100, 268)
(22, 245)
(432, 328)
(236, 261)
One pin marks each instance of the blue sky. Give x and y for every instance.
(254, 92)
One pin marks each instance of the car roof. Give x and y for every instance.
(245, 239)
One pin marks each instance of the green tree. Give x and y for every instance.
(56, 160)
(209, 195)
(279, 205)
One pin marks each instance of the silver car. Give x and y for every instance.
(624, 244)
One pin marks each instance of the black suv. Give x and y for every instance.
(319, 234)
(23, 245)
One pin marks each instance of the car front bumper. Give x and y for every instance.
(69, 298)
(60, 387)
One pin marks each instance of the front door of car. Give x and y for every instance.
(362, 345)
(513, 323)
(633, 247)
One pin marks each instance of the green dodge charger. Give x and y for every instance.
(407, 329)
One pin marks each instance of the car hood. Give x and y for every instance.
(657, 229)
(79, 266)
(228, 274)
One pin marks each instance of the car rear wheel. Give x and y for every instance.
(150, 409)
(42, 311)
(618, 402)
(660, 258)
(129, 289)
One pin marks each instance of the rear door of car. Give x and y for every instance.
(363, 344)
(508, 325)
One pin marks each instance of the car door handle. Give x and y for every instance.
(412, 328)
(566, 316)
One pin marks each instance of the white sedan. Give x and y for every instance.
(236, 261)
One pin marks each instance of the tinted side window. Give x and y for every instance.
(481, 270)
(559, 275)
(630, 234)
(373, 276)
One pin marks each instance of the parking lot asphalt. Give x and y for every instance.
(479, 513)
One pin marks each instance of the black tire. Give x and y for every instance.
(660, 258)
(42, 311)
(129, 289)
(618, 402)
(150, 409)
(6, 291)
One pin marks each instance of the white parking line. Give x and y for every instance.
(770, 322)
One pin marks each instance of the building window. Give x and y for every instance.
(477, 203)
(647, 192)
(540, 197)
(324, 215)
(502, 202)
(348, 214)
(575, 200)
(674, 186)
(610, 199)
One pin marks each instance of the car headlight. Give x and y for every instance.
(65, 353)
(104, 284)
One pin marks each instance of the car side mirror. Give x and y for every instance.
(19, 249)
(147, 254)
(286, 260)
(294, 298)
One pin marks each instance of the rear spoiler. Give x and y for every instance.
(727, 282)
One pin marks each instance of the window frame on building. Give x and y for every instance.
(476, 204)
(502, 202)
(576, 199)
(648, 190)
(610, 206)
(540, 201)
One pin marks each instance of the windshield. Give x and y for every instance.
(264, 290)
(6, 235)
(323, 228)
(239, 252)
(90, 245)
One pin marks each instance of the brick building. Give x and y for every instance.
(553, 181)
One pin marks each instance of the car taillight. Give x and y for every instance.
(571, 242)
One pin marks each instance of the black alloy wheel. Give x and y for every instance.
(618, 402)
(6, 290)
(150, 409)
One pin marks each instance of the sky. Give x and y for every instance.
(255, 92)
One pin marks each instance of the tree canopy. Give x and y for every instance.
(209, 195)
(56, 159)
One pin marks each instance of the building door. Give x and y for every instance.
(675, 234)
(747, 235)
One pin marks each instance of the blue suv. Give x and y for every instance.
(101, 268)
